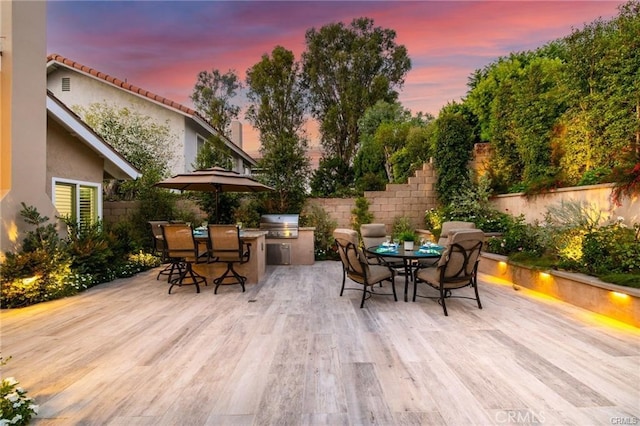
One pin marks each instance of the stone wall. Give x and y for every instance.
(409, 200)
(534, 208)
(115, 211)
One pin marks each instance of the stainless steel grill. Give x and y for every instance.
(280, 225)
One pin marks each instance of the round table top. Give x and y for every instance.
(394, 250)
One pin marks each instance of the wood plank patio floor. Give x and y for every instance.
(290, 351)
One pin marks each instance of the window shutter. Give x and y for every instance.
(65, 200)
(88, 205)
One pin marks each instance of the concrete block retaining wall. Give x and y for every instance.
(115, 211)
(409, 200)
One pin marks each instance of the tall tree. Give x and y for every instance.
(371, 169)
(416, 151)
(518, 101)
(346, 70)
(539, 100)
(602, 70)
(144, 143)
(212, 96)
(277, 111)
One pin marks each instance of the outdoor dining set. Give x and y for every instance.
(369, 259)
(447, 266)
(181, 246)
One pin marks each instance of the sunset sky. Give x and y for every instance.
(162, 45)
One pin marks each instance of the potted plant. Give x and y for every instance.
(408, 238)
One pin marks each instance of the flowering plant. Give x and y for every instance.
(16, 408)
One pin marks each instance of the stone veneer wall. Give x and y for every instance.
(115, 211)
(397, 200)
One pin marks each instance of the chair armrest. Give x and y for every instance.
(246, 254)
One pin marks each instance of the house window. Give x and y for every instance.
(66, 84)
(79, 201)
(200, 141)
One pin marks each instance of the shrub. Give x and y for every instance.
(566, 225)
(248, 213)
(46, 279)
(612, 249)
(49, 268)
(90, 249)
(137, 262)
(575, 238)
(433, 219)
(471, 204)
(402, 228)
(626, 176)
(360, 213)
(519, 237)
(155, 204)
(44, 236)
(595, 176)
(454, 144)
(16, 407)
(323, 241)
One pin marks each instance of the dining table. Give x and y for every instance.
(426, 255)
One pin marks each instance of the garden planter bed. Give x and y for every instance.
(617, 302)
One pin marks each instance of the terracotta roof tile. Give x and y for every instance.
(123, 84)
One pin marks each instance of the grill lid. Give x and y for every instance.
(280, 225)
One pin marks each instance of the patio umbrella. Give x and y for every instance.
(215, 179)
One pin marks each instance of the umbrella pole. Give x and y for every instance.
(217, 208)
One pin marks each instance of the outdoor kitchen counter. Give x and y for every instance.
(302, 248)
(254, 269)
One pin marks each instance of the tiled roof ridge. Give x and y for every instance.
(122, 84)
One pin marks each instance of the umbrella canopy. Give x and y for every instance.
(215, 179)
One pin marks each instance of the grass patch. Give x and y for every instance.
(533, 261)
(627, 280)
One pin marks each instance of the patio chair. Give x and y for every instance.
(356, 267)
(454, 225)
(457, 268)
(374, 234)
(182, 247)
(174, 266)
(226, 246)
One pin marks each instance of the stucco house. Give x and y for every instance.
(49, 158)
(76, 84)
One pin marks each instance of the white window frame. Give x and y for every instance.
(200, 141)
(77, 184)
